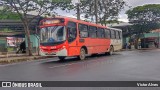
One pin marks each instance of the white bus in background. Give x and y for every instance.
(116, 38)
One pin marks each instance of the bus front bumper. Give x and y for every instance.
(62, 52)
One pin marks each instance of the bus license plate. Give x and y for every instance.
(51, 53)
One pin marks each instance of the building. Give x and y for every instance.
(150, 40)
(15, 29)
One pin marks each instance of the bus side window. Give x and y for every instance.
(72, 31)
(107, 33)
(100, 33)
(83, 29)
(92, 32)
(113, 36)
(103, 33)
(117, 35)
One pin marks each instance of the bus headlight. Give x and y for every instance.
(42, 47)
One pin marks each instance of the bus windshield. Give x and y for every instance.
(53, 34)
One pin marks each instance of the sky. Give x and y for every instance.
(134, 3)
(122, 15)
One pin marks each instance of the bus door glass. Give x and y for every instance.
(72, 35)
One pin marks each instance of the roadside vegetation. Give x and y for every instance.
(144, 19)
(8, 15)
(6, 30)
(100, 10)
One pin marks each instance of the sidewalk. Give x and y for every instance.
(13, 58)
(11, 55)
(148, 48)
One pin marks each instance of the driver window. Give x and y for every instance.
(72, 31)
(60, 33)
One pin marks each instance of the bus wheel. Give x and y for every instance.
(61, 58)
(111, 50)
(82, 55)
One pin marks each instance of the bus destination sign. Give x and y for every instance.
(52, 21)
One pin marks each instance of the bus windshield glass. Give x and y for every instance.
(53, 34)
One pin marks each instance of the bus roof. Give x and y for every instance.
(115, 29)
(82, 22)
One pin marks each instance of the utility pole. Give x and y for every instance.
(78, 11)
(96, 10)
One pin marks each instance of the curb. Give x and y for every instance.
(139, 49)
(9, 60)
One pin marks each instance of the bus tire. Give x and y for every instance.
(82, 55)
(111, 50)
(61, 58)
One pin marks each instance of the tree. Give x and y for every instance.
(38, 7)
(4, 14)
(102, 10)
(144, 18)
(144, 14)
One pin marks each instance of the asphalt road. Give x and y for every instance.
(138, 65)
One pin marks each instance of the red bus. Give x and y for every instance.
(66, 37)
